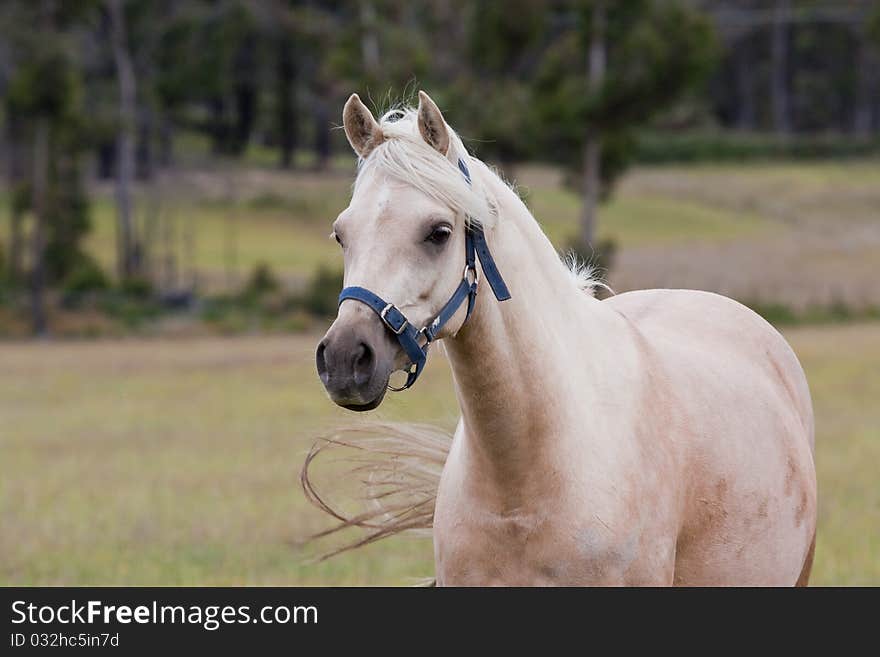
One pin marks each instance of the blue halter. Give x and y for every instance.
(408, 335)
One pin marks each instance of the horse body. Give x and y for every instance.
(656, 437)
(695, 479)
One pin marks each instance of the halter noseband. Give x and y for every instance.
(407, 335)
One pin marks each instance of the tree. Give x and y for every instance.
(505, 44)
(641, 58)
(286, 112)
(19, 193)
(779, 68)
(592, 177)
(582, 75)
(126, 239)
(868, 78)
(43, 101)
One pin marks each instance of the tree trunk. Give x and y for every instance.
(144, 146)
(125, 158)
(745, 85)
(446, 61)
(217, 127)
(189, 250)
(592, 177)
(38, 244)
(779, 73)
(246, 94)
(230, 238)
(866, 86)
(287, 114)
(152, 217)
(14, 265)
(15, 172)
(322, 134)
(166, 141)
(168, 274)
(369, 40)
(106, 152)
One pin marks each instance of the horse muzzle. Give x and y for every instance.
(355, 360)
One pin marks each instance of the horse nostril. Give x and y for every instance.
(363, 364)
(321, 362)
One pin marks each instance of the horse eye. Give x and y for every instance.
(336, 237)
(439, 235)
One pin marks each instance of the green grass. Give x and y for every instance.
(803, 174)
(176, 462)
(842, 365)
(703, 202)
(157, 462)
(645, 219)
(284, 218)
(638, 217)
(288, 229)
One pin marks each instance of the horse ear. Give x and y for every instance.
(363, 133)
(431, 124)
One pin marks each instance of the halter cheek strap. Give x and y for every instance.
(407, 334)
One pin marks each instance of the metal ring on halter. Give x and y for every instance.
(409, 372)
(472, 268)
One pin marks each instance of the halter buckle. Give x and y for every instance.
(383, 316)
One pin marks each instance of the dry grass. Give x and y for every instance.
(176, 462)
(171, 462)
(793, 234)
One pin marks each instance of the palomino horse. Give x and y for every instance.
(655, 437)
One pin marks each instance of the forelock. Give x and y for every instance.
(406, 157)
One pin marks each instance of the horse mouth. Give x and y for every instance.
(369, 406)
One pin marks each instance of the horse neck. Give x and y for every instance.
(512, 361)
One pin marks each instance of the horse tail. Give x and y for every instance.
(804, 578)
(397, 467)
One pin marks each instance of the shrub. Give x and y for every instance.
(137, 287)
(777, 314)
(838, 311)
(86, 276)
(261, 281)
(268, 201)
(130, 310)
(321, 295)
(697, 146)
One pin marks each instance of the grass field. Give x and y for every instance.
(797, 234)
(176, 462)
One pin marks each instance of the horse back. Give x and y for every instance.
(689, 325)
